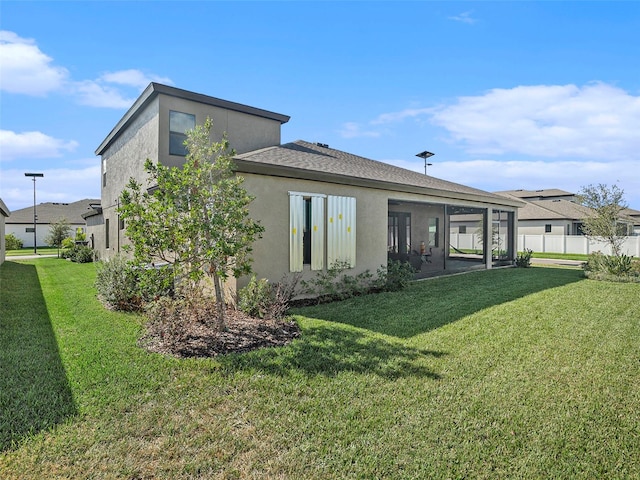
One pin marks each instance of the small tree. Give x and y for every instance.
(58, 231)
(607, 204)
(196, 217)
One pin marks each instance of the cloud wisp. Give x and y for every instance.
(464, 17)
(27, 70)
(32, 145)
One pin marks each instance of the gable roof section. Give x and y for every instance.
(550, 209)
(305, 160)
(155, 89)
(50, 212)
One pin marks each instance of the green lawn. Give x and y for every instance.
(519, 373)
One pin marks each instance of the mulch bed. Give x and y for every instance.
(201, 339)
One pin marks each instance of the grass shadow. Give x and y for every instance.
(430, 304)
(329, 350)
(34, 391)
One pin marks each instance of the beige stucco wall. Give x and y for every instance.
(245, 132)
(271, 207)
(4, 213)
(537, 227)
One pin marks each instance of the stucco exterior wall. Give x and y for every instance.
(537, 227)
(42, 230)
(271, 207)
(4, 213)
(245, 132)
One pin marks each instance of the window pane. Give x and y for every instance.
(434, 224)
(179, 124)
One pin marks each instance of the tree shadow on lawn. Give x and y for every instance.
(329, 350)
(430, 304)
(34, 390)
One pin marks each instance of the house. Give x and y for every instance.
(4, 214)
(318, 205)
(21, 223)
(554, 212)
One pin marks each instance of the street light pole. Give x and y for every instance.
(424, 155)
(35, 217)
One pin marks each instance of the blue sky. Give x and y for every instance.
(507, 95)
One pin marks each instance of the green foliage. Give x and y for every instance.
(121, 285)
(80, 235)
(262, 299)
(78, 254)
(395, 277)
(620, 268)
(196, 218)
(607, 204)
(58, 231)
(335, 284)
(68, 243)
(256, 298)
(523, 260)
(11, 242)
(116, 284)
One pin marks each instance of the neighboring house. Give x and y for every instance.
(553, 212)
(4, 214)
(318, 205)
(634, 215)
(21, 223)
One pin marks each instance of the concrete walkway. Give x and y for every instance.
(557, 261)
(8, 258)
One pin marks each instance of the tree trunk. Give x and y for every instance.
(221, 323)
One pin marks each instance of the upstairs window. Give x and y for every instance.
(547, 228)
(179, 124)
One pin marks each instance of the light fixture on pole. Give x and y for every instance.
(424, 155)
(35, 217)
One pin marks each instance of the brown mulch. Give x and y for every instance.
(201, 339)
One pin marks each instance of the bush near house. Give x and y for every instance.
(12, 242)
(613, 268)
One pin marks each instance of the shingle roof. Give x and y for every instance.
(550, 209)
(52, 211)
(537, 194)
(302, 159)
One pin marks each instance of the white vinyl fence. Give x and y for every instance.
(552, 244)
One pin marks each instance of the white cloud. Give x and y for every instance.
(464, 17)
(596, 121)
(354, 130)
(133, 78)
(494, 175)
(29, 145)
(26, 69)
(57, 185)
(95, 94)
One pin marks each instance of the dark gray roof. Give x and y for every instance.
(154, 89)
(558, 209)
(548, 193)
(52, 211)
(307, 160)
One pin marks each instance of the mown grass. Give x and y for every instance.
(526, 373)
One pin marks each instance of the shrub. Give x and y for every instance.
(523, 260)
(264, 300)
(116, 283)
(621, 268)
(256, 298)
(396, 276)
(78, 253)
(334, 284)
(12, 242)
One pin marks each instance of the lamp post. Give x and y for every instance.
(35, 217)
(424, 155)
